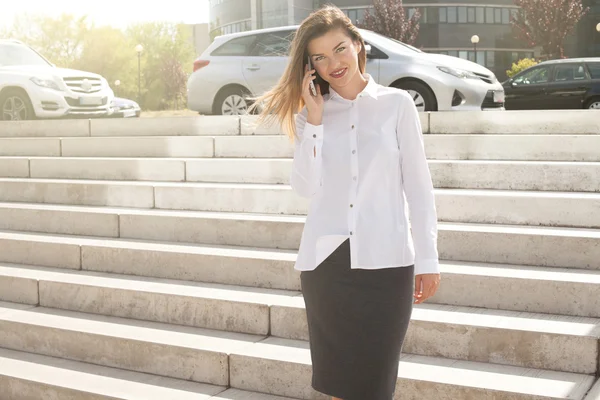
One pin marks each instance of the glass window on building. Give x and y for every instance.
(423, 18)
(274, 13)
(480, 15)
(462, 15)
(471, 56)
(514, 57)
(353, 15)
(453, 53)
(489, 15)
(443, 15)
(452, 15)
(463, 54)
(505, 16)
(433, 15)
(480, 59)
(471, 15)
(490, 60)
(514, 12)
(497, 15)
(411, 12)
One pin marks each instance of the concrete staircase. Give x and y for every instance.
(153, 259)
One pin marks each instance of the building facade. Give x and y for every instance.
(446, 26)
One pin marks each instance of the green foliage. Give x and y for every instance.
(520, 65)
(165, 62)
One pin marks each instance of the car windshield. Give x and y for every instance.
(18, 54)
(406, 48)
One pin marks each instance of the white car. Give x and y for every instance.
(32, 87)
(239, 66)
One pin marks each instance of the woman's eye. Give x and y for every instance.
(340, 49)
(319, 58)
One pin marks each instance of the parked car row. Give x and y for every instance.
(239, 66)
(32, 87)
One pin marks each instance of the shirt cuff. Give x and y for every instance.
(427, 267)
(313, 132)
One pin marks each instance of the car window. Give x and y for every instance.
(594, 70)
(18, 54)
(235, 47)
(533, 76)
(273, 44)
(569, 73)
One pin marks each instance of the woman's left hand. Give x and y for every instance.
(425, 286)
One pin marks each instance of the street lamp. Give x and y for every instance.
(475, 40)
(139, 48)
(598, 27)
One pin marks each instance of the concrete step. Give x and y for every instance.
(437, 147)
(453, 205)
(594, 394)
(559, 343)
(503, 337)
(497, 286)
(48, 147)
(282, 366)
(25, 376)
(187, 353)
(510, 244)
(512, 175)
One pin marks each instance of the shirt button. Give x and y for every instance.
(314, 136)
(354, 178)
(351, 205)
(351, 232)
(353, 151)
(352, 126)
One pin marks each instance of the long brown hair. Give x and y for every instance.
(281, 103)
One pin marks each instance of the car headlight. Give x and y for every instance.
(47, 83)
(459, 73)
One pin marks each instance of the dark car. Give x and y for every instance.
(124, 108)
(556, 84)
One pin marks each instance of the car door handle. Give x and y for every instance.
(253, 67)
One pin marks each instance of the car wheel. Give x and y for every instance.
(15, 106)
(423, 96)
(232, 102)
(593, 104)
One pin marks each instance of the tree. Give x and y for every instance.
(389, 18)
(521, 65)
(59, 39)
(174, 79)
(547, 23)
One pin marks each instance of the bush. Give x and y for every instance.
(520, 65)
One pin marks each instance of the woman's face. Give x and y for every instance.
(335, 57)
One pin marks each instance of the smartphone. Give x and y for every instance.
(313, 90)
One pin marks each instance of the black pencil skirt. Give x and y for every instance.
(357, 321)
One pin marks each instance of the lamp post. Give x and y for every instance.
(598, 27)
(475, 40)
(139, 48)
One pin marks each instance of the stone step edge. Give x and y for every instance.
(33, 369)
(427, 312)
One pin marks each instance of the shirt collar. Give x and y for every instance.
(369, 90)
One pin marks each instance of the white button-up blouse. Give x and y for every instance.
(370, 161)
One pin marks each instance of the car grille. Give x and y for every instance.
(488, 101)
(78, 84)
(485, 78)
(75, 103)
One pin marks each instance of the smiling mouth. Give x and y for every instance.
(339, 73)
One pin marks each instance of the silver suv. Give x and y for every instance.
(242, 65)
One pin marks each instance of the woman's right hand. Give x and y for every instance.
(314, 104)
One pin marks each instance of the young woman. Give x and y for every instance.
(358, 154)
